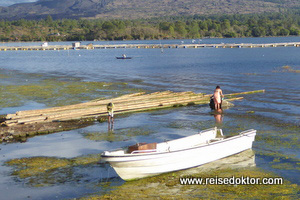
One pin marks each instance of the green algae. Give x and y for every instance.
(285, 69)
(182, 124)
(186, 124)
(287, 166)
(278, 142)
(118, 134)
(250, 74)
(275, 155)
(46, 171)
(56, 91)
(250, 112)
(135, 131)
(167, 186)
(274, 134)
(27, 167)
(280, 161)
(4, 76)
(103, 136)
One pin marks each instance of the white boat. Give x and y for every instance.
(45, 44)
(140, 161)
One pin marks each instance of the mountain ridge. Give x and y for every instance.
(133, 9)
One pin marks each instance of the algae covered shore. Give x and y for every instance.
(57, 171)
(48, 171)
(20, 89)
(49, 91)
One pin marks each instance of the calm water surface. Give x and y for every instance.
(275, 114)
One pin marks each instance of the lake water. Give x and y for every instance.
(275, 114)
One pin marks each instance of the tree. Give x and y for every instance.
(283, 32)
(230, 35)
(257, 25)
(49, 20)
(225, 24)
(180, 28)
(203, 25)
(294, 31)
(194, 30)
(258, 32)
(172, 30)
(164, 26)
(108, 26)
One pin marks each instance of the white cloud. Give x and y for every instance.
(11, 2)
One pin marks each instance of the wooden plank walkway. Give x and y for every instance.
(147, 46)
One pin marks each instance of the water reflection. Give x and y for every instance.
(244, 159)
(218, 114)
(110, 126)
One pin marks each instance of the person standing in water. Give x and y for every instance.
(218, 94)
(110, 111)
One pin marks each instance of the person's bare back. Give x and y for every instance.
(218, 94)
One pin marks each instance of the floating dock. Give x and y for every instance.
(146, 46)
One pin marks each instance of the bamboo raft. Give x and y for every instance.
(123, 104)
(20, 125)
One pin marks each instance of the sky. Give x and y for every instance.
(11, 2)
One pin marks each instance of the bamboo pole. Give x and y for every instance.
(81, 105)
(123, 104)
(249, 92)
(133, 108)
(145, 108)
(32, 113)
(54, 109)
(102, 109)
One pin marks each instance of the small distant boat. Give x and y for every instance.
(124, 57)
(45, 44)
(145, 160)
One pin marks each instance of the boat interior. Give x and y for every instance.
(203, 137)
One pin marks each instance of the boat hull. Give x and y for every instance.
(130, 167)
(124, 58)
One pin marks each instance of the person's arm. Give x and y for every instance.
(221, 92)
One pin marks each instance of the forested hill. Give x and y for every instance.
(134, 9)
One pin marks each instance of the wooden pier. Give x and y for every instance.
(146, 46)
(31, 122)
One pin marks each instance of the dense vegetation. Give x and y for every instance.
(253, 25)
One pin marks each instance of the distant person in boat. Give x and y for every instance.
(218, 95)
(110, 110)
(124, 56)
